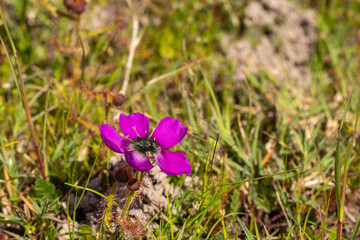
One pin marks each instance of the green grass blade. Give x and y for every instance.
(248, 234)
(356, 229)
(87, 189)
(267, 233)
(181, 233)
(338, 161)
(89, 177)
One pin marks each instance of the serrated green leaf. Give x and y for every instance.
(44, 189)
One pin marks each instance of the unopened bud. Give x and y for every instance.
(133, 185)
(118, 99)
(121, 174)
(75, 6)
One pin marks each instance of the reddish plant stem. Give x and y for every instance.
(29, 119)
(339, 230)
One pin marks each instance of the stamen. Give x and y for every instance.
(134, 127)
(145, 146)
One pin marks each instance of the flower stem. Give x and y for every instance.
(132, 195)
(107, 212)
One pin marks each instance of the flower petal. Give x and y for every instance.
(113, 139)
(133, 125)
(173, 163)
(138, 161)
(169, 132)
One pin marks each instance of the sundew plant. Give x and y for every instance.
(193, 119)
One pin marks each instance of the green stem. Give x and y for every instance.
(108, 212)
(132, 195)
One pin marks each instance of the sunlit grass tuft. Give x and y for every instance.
(269, 160)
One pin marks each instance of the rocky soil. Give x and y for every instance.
(279, 38)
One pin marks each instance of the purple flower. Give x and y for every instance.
(140, 150)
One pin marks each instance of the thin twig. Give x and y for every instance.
(29, 119)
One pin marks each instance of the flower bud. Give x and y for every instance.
(121, 174)
(118, 100)
(133, 185)
(75, 6)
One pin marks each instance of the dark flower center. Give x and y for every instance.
(144, 145)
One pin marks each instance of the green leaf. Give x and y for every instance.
(36, 206)
(356, 229)
(54, 218)
(44, 189)
(85, 233)
(248, 234)
(167, 44)
(267, 233)
(181, 233)
(235, 201)
(10, 219)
